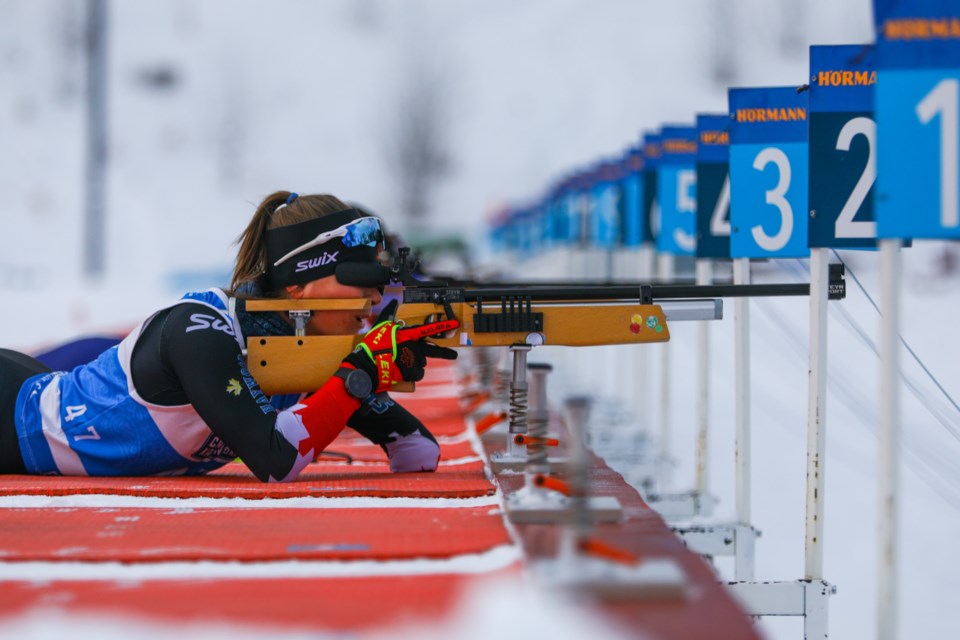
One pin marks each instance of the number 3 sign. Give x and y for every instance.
(768, 173)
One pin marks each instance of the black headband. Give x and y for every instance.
(322, 260)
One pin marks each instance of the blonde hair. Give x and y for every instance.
(251, 263)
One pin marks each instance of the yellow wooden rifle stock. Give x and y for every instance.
(297, 364)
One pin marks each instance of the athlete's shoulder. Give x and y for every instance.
(212, 297)
(191, 316)
(198, 313)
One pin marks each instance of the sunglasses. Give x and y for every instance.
(365, 232)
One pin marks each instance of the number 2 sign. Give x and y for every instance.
(843, 146)
(768, 173)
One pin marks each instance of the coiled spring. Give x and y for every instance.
(538, 419)
(518, 407)
(537, 453)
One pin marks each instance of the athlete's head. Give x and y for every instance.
(312, 246)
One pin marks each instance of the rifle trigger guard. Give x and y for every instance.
(448, 310)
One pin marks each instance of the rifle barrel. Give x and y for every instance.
(643, 293)
(676, 292)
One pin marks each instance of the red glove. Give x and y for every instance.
(391, 352)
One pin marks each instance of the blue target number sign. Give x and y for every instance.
(918, 118)
(768, 173)
(606, 197)
(631, 188)
(713, 186)
(843, 146)
(677, 190)
(651, 205)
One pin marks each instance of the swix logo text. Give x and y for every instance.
(204, 321)
(326, 258)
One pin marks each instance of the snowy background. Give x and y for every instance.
(213, 104)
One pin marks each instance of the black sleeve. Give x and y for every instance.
(380, 425)
(191, 354)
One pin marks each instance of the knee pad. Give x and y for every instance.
(413, 452)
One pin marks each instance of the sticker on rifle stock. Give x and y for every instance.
(636, 323)
(654, 323)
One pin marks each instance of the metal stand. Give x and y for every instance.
(723, 540)
(535, 504)
(515, 455)
(573, 568)
(807, 598)
(538, 420)
(681, 507)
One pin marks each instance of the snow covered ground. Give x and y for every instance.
(215, 103)
(930, 479)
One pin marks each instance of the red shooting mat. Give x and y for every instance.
(443, 415)
(361, 450)
(337, 604)
(326, 480)
(246, 535)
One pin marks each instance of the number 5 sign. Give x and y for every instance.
(768, 173)
(843, 146)
(918, 107)
(677, 191)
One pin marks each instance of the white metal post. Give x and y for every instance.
(889, 469)
(665, 273)
(647, 258)
(641, 363)
(96, 149)
(741, 319)
(704, 277)
(816, 415)
(566, 359)
(518, 401)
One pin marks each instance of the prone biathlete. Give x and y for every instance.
(175, 396)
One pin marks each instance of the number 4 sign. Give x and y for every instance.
(713, 186)
(918, 106)
(768, 173)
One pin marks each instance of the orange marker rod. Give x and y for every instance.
(594, 547)
(489, 421)
(533, 440)
(476, 403)
(555, 484)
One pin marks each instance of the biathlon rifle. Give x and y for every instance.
(497, 314)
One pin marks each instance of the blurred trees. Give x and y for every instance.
(417, 145)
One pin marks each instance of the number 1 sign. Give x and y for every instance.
(918, 106)
(768, 173)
